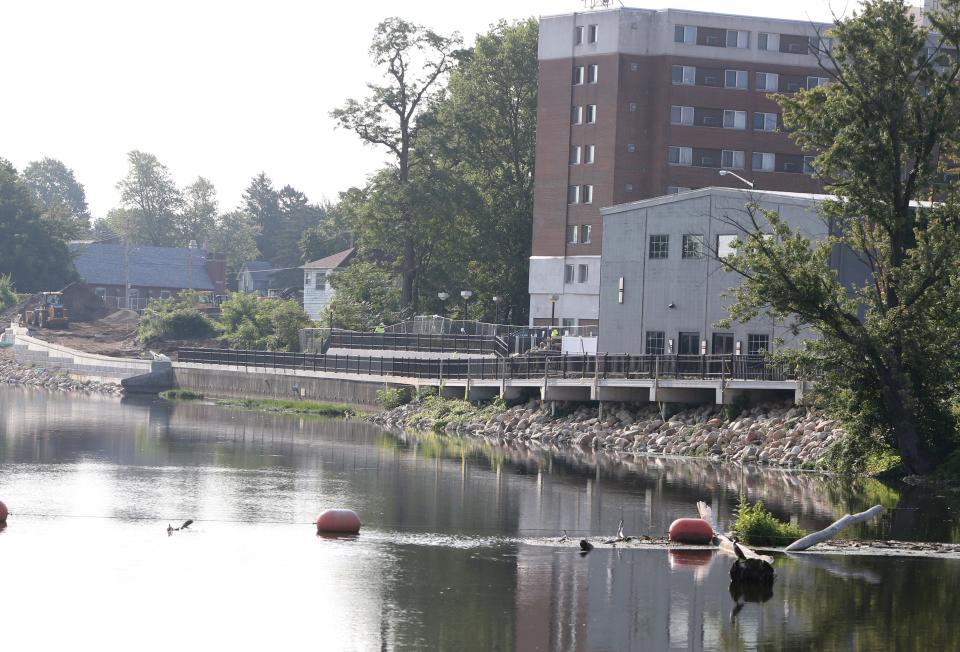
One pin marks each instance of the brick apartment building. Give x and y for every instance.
(638, 103)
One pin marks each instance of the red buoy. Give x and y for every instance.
(691, 530)
(3, 512)
(343, 521)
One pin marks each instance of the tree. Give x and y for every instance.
(247, 322)
(152, 200)
(366, 295)
(199, 216)
(30, 255)
(235, 234)
(485, 128)
(61, 200)
(415, 60)
(886, 127)
(262, 203)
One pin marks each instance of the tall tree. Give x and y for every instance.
(262, 203)
(887, 128)
(30, 255)
(415, 61)
(199, 216)
(153, 202)
(235, 234)
(61, 199)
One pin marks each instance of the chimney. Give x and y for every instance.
(216, 264)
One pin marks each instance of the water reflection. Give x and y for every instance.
(438, 565)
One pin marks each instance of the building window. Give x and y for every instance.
(681, 156)
(689, 344)
(768, 82)
(735, 79)
(676, 190)
(738, 39)
(631, 147)
(814, 82)
(589, 151)
(568, 322)
(578, 35)
(808, 165)
(655, 342)
(591, 114)
(568, 273)
(101, 292)
(632, 107)
(757, 344)
(587, 194)
(769, 42)
(634, 66)
(659, 247)
(575, 155)
(577, 75)
(573, 234)
(582, 273)
(686, 34)
(681, 115)
(576, 115)
(765, 121)
(734, 119)
(763, 162)
(592, 31)
(733, 159)
(725, 245)
(321, 281)
(585, 233)
(573, 194)
(692, 246)
(592, 71)
(164, 294)
(628, 187)
(684, 75)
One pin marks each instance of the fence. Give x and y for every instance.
(476, 344)
(703, 367)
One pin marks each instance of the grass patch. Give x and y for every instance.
(290, 407)
(393, 397)
(757, 527)
(181, 395)
(444, 412)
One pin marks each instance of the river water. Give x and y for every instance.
(447, 559)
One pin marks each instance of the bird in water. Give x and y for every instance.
(186, 524)
(738, 551)
(564, 537)
(585, 546)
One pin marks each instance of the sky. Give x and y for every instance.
(227, 89)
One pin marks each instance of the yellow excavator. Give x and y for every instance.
(49, 312)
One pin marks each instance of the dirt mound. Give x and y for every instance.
(122, 317)
(82, 303)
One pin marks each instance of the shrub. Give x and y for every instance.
(181, 395)
(393, 397)
(756, 526)
(7, 296)
(176, 318)
(424, 393)
(247, 322)
(736, 407)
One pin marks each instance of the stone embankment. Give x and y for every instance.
(778, 434)
(13, 373)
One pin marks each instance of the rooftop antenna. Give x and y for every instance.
(597, 4)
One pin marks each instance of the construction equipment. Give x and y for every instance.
(49, 312)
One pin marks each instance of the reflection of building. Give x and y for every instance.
(317, 290)
(638, 103)
(148, 272)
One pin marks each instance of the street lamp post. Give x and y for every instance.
(443, 296)
(553, 309)
(496, 310)
(466, 294)
(724, 173)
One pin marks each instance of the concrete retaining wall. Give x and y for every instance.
(215, 381)
(79, 364)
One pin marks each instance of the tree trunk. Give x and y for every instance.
(907, 439)
(408, 273)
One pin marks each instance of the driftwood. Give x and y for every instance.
(725, 543)
(830, 532)
(620, 536)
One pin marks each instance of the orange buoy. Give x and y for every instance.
(3, 512)
(344, 521)
(691, 530)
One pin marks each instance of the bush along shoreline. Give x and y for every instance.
(777, 434)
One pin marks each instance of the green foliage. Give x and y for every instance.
(424, 393)
(151, 203)
(181, 395)
(317, 408)
(247, 322)
(443, 412)
(61, 200)
(393, 397)
(235, 235)
(7, 295)
(175, 318)
(885, 127)
(281, 217)
(757, 527)
(739, 404)
(366, 296)
(31, 254)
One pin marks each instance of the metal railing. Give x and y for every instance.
(692, 367)
(447, 343)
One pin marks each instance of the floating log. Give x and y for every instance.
(830, 532)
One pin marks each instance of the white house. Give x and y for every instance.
(317, 290)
